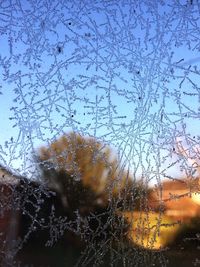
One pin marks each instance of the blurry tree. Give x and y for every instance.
(91, 185)
(86, 174)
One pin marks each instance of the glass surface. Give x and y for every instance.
(99, 139)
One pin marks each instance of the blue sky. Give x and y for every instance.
(122, 72)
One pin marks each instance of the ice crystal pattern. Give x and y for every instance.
(123, 72)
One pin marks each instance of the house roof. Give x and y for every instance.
(183, 184)
(7, 176)
(177, 197)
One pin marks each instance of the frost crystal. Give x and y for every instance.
(99, 131)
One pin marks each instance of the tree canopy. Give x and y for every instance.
(85, 169)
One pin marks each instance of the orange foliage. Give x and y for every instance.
(87, 160)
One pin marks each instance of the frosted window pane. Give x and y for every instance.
(99, 143)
